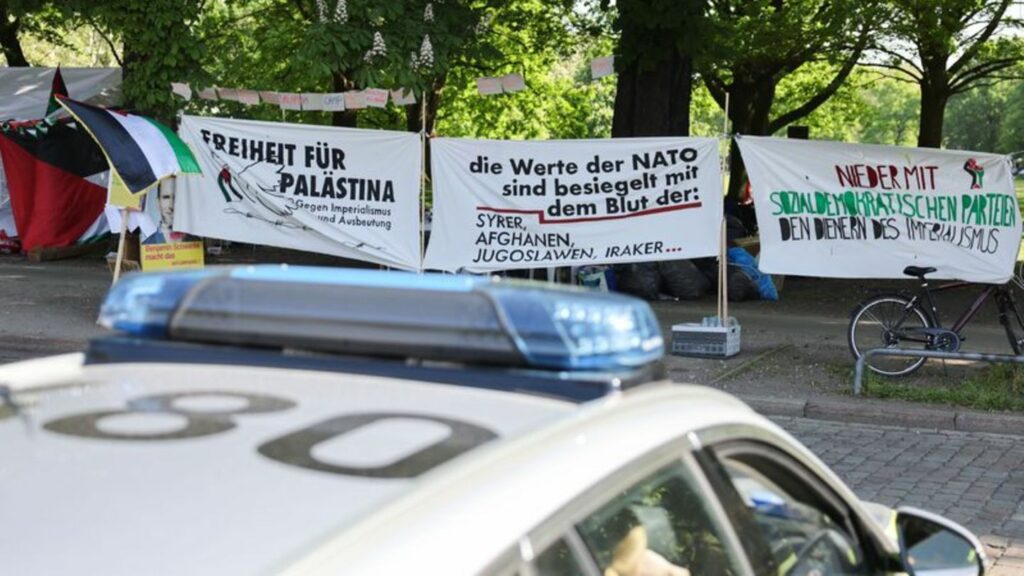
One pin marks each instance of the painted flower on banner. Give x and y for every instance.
(428, 13)
(341, 12)
(378, 49)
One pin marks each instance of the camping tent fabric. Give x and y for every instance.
(25, 92)
(54, 185)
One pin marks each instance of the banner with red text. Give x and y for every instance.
(501, 205)
(858, 211)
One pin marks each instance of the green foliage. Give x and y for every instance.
(973, 119)
(949, 47)
(1011, 132)
(560, 101)
(891, 112)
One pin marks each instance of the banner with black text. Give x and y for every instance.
(861, 211)
(501, 205)
(340, 191)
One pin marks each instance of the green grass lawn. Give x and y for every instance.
(999, 387)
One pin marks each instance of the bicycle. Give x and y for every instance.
(897, 320)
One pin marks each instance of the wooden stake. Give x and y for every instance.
(725, 276)
(120, 244)
(423, 179)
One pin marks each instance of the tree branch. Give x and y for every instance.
(106, 38)
(821, 97)
(901, 57)
(982, 70)
(972, 51)
(914, 77)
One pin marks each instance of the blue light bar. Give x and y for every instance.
(432, 316)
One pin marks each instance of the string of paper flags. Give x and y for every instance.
(367, 98)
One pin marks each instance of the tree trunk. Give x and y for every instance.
(750, 106)
(345, 118)
(933, 113)
(654, 102)
(9, 42)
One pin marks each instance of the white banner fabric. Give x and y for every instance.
(25, 92)
(501, 205)
(342, 191)
(838, 210)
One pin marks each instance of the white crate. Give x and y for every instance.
(705, 341)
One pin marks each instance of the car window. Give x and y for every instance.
(659, 527)
(804, 534)
(557, 560)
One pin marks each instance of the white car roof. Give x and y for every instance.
(210, 504)
(222, 503)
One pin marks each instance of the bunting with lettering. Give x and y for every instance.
(838, 210)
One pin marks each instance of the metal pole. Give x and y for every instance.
(858, 374)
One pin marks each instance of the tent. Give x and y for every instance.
(24, 92)
(54, 187)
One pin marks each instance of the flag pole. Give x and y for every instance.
(120, 244)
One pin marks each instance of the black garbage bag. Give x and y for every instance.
(683, 279)
(708, 267)
(741, 286)
(640, 279)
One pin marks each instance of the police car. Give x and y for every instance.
(306, 421)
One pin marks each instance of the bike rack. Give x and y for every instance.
(977, 356)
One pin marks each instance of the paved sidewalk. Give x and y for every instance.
(974, 479)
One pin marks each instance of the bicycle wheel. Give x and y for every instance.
(1010, 318)
(889, 321)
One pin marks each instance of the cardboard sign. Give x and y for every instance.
(172, 256)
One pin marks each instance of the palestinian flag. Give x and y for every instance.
(57, 88)
(56, 181)
(142, 151)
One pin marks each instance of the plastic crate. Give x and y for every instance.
(706, 340)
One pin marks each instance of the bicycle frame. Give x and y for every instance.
(968, 314)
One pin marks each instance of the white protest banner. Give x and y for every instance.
(249, 97)
(488, 86)
(403, 97)
(269, 97)
(229, 94)
(513, 83)
(341, 191)
(312, 102)
(500, 205)
(858, 211)
(289, 101)
(182, 89)
(355, 100)
(601, 67)
(334, 102)
(376, 97)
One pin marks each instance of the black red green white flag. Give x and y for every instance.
(141, 150)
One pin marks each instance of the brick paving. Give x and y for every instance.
(974, 479)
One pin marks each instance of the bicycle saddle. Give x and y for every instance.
(918, 271)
